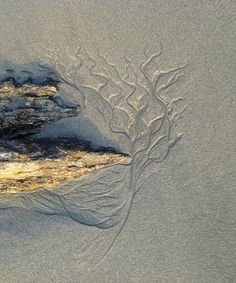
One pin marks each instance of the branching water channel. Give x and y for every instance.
(133, 110)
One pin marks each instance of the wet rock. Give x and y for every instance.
(24, 109)
(29, 164)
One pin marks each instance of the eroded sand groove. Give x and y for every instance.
(26, 164)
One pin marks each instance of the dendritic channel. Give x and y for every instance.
(140, 111)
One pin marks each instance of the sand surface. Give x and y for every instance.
(181, 227)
